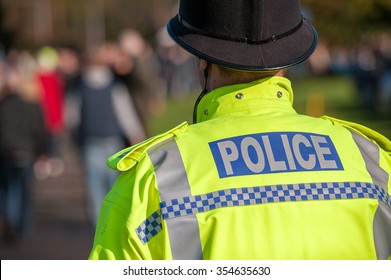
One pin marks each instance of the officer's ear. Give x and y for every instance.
(202, 65)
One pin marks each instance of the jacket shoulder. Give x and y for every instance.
(364, 131)
(127, 158)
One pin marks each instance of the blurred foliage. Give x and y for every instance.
(338, 22)
(147, 16)
(20, 20)
(345, 22)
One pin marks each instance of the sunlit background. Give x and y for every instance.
(348, 77)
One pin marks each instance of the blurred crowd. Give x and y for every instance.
(368, 63)
(102, 98)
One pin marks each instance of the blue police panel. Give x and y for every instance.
(274, 152)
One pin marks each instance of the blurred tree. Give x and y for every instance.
(338, 22)
(344, 22)
(6, 35)
(69, 20)
(147, 16)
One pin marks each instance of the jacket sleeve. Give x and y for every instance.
(132, 199)
(115, 236)
(381, 162)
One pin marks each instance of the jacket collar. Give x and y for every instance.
(272, 92)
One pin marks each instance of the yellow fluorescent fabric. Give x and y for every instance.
(317, 228)
(311, 232)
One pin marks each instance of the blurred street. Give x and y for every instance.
(60, 227)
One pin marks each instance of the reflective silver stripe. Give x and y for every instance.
(382, 220)
(172, 182)
(371, 154)
(382, 231)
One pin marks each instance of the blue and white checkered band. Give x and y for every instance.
(150, 227)
(257, 195)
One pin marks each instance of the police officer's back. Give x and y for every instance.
(251, 179)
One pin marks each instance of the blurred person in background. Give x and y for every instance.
(251, 178)
(383, 102)
(70, 64)
(142, 74)
(52, 93)
(366, 72)
(23, 140)
(177, 67)
(107, 122)
(69, 67)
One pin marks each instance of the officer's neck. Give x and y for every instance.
(218, 78)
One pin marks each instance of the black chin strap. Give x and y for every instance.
(202, 94)
(206, 79)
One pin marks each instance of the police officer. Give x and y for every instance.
(251, 178)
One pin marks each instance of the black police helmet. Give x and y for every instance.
(250, 35)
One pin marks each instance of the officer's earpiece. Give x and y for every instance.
(202, 94)
(206, 80)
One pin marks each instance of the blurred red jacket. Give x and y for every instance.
(52, 100)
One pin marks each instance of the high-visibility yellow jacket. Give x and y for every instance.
(251, 180)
